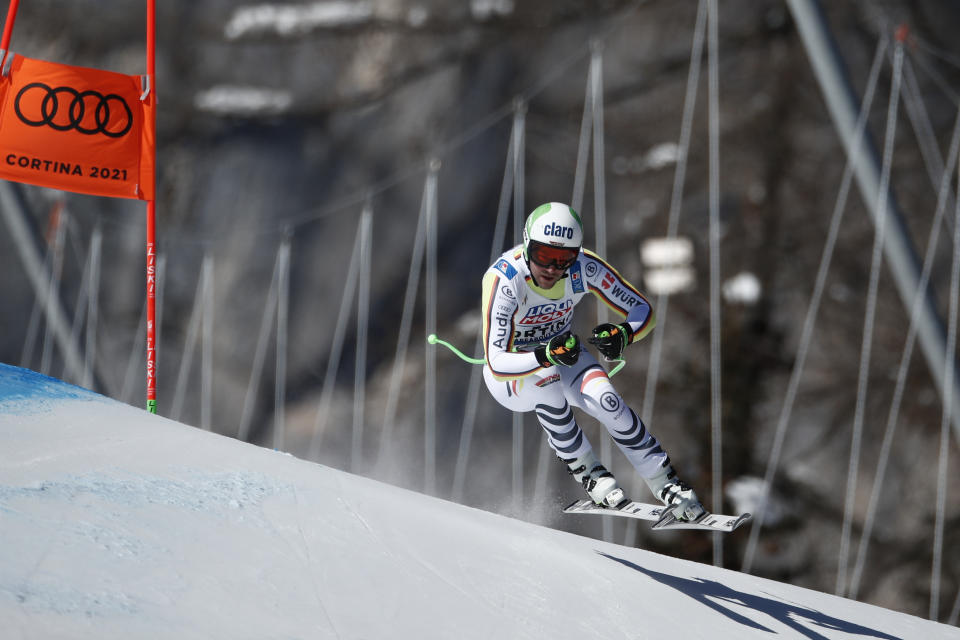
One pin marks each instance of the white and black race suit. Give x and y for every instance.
(519, 316)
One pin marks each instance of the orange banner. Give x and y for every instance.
(76, 129)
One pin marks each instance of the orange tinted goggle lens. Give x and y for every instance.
(547, 256)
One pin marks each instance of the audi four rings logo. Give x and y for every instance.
(113, 122)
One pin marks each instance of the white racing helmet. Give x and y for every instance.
(552, 236)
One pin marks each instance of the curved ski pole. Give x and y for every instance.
(433, 339)
(620, 364)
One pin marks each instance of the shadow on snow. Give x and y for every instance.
(715, 595)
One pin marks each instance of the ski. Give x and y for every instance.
(661, 517)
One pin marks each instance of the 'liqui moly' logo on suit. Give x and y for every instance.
(549, 312)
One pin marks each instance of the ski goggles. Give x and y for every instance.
(546, 255)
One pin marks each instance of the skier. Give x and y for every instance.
(534, 362)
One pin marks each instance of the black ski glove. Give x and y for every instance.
(611, 339)
(560, 350)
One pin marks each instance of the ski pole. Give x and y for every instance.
(433, 339)
(620, 364)
(620, 360)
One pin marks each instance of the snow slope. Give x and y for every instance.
(115, 523)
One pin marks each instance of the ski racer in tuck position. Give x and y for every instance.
(534, 362)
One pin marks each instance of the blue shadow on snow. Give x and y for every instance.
(24, 390)
(713, 594)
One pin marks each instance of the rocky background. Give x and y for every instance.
(275, 122)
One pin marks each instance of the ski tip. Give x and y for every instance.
(744, 517)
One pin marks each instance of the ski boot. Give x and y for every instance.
(599, 483)
(675, 493)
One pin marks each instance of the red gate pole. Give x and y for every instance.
(152, 218)
(8, 25)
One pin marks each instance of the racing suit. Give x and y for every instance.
(519, 316)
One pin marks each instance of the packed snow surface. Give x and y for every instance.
(115, 523)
